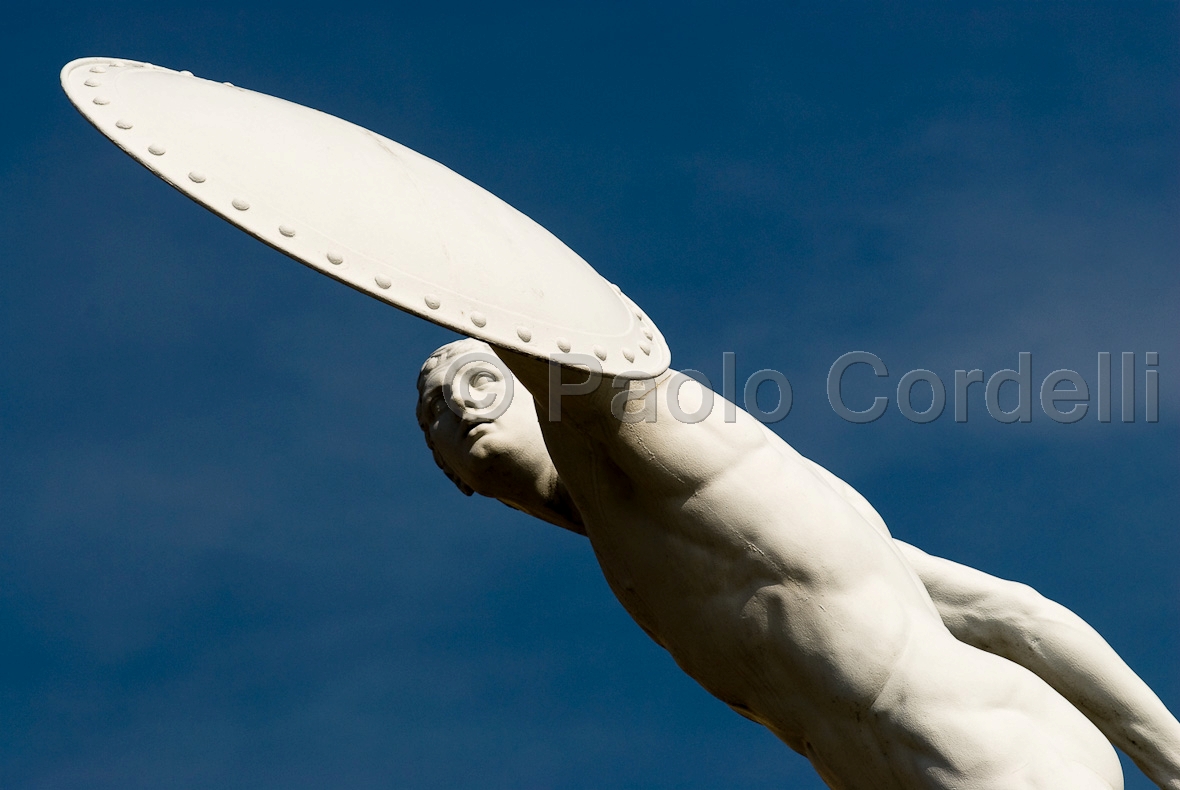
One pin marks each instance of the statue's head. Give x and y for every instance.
(481, 443)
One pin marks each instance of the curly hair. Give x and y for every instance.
(442, 355)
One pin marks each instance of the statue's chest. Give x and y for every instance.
(680, 590)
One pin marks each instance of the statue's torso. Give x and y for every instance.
(775, 593)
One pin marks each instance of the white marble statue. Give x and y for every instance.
(778, 588)
(770, 581)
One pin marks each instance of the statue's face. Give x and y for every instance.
(503, 456)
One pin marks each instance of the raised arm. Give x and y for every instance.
(1015, 621)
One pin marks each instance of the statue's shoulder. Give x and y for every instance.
(676, 428)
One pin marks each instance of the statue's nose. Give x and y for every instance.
(470, 402)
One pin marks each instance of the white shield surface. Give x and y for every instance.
(366, 211)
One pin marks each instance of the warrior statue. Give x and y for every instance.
(769, 580)
(778, 588)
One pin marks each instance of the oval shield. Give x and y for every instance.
(368, 212)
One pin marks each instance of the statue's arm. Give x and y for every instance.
(1014, 621)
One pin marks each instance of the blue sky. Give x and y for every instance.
(227, 559)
